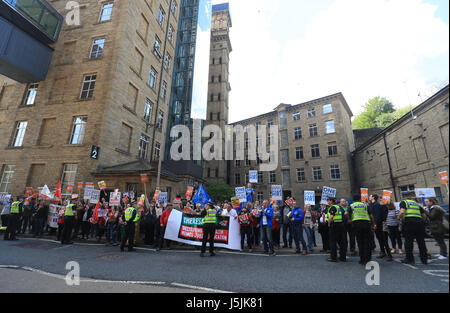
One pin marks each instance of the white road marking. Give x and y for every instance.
(439, 273)
(408, 265)
(200, 288)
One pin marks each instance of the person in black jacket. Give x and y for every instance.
(380, 212)
(149, 225)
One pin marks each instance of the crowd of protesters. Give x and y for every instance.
(262, 224)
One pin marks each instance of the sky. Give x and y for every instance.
(293, 51)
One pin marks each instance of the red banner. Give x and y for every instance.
(444, 177)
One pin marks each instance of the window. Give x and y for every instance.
(238, 163)
(317, 174)
(68, 175)
(97, 48)
(31, 94)
(157, 47)
(6, 179)
(284, 157)
(87, 90)
(219, 97)
(21, 128)
(208, 172)
(270, 123)
(301, 175)
(212, 79)
(237, 179)
(217, 172)
(157, 151)
(143, 145)
(299, 155)
(159, 124)
(167, 61)
(329, 126)
(332, 148)
(311, 112)
(161, 15)
(220, 78)
(174, 8)
(284, 138)
(315, 151)
(211, 98)
(170, 33)
(247, 161)
(335, 172)
(125, 138)
(152, 78)
(260, 178)
(327, 108)
(272, 177)
(148, 110)
(106, 12)
(296, 116)
(406, 190)
(298, 133)
(286, 178)
(270, 138)
(313, 130)
(78, 130)
(164, 90)
(260, 196)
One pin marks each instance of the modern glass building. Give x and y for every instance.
(27, 29)
(190, 76)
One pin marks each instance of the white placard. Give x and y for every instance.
(310, 197)
(327, 192)
(241, 194)
(277, 193)
(425, 193)
(253, 177)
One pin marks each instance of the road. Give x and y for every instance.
(39, 265)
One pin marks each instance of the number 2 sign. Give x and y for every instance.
(94, 152)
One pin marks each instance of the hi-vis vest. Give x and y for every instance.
(412, 209)
(136, 219)
(210, 217)
(15, 207)
(337, 216)
(360, 212)
(129, 213)
(69, 210)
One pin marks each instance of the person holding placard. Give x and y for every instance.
(297, 222)
(414, 228)
(266, 227)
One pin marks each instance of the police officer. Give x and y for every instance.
(69, 221)
(15, 214)
(209, 228)
(131, 217)
(337, 231)
(413, 228)
(362, 221)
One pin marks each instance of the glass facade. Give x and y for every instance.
(41, 14)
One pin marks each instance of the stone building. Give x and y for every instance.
(219, 86)
(101, 112)
(408, 154)
(315, 144)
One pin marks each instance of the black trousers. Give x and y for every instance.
(162, 240)
(26, 223)
(246, 230)
(13, 224)
(382, 240)
(149, 230)
(350, 237)
(287, 228)
(209, 231)
(337, 237)
(362, 233)
(4, 218)
(414, 228)
(129, 235)
(324, 231)
(67, 230)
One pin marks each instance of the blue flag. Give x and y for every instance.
(201, 197)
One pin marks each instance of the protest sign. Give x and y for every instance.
(327, 192)
(144, 178)
(53, 215)
(189, 192)
(386, 197)
(277, 194)
(4, 198)
(28, 191)
(141, 200)
(364, 194)
(69, 188)
(188, 229)
(80, 186)
(235, 203)
(444, 177)
(102, 185)
(45, 193)
(310, 197)
(162, 197)
(289, 202)
(89, 186)
(92, 195)
(425, 192)
(241, 194)
(253, 177)
(114, 198)
(156, 196)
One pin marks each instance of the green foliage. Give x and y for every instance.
(374, 109)
(220, 191)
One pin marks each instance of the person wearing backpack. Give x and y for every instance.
(438, 225)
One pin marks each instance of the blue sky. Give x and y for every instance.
(291, 51)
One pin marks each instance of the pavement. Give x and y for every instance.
(39, 265)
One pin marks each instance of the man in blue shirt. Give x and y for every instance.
(266, 227)
(297, 222)
(250, 193)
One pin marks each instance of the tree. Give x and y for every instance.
(220, 191)
(373, 109)
(387, 119)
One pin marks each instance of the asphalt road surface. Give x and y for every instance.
(39, 265)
